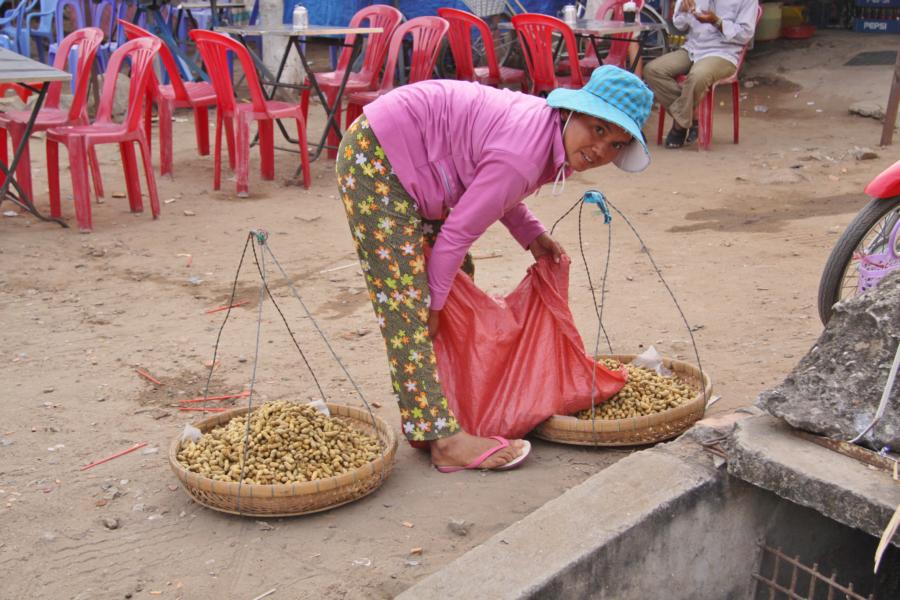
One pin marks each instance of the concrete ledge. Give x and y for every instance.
(550, 552)
(765, 452)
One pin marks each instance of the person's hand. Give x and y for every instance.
(687, 6)
(434, 322)
(707, 16)
(544, 244)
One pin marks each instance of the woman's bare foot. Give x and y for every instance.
(462, 448)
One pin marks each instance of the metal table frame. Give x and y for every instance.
(596, 31)
(313, 34)
(26, 73)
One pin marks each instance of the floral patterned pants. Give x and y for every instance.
(391, 239)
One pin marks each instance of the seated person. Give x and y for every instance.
(717, 32)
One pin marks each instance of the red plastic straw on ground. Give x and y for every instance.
(202, 408)
(148, 376)
(217, 309)
(116, 455)
(214, 398)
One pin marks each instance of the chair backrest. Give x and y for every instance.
(214, 48)
(743, 54)
(48, 11)
(535, 32)
(133, 32)
(140, 54)
(78, 18)
(460, 36)
(87, 41)
(377, 15)
(103, 16)
(18, 16)
(427, 34)
(611, 10)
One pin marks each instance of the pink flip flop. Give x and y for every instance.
(476, 464)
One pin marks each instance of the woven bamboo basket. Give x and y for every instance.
(291, 499)
(634, 431)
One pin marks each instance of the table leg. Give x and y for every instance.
(19, 197)
(330, 123)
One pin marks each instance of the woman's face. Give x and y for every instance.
(591, 142)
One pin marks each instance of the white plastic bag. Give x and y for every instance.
(651, 359)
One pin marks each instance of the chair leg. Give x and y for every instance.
(661, 126)
(304, 101)
(736, 110)
(4, 153)
(132, 183)
(242, 157)
(53, 177)
(94, 163)
(304, 152)
(705, 119)
(229, 141)
(165, 109)
(266, 149)
(80, 191)
(333, 140)
(151, 180)
(148, 115)
(353, 111)
(201, 126)
(23, 171)
(217, 159)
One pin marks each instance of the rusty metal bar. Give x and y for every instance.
(797, 567)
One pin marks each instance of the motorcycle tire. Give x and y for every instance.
(841, 257)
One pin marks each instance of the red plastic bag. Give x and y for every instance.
(507, 364)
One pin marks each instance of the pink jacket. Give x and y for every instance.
(473, 151)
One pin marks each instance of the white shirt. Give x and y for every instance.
(705, 39)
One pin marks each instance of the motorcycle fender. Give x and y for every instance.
(886, 184)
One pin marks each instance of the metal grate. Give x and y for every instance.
(787, 578)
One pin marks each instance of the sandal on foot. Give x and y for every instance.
(476, 464)
(675, 138)
(692, 134)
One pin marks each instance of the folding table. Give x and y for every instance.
(297, 39)
(15, 68)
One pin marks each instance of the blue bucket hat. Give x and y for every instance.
(617, 96)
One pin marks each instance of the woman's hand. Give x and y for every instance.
(687, 6)
(434, 322)
(544, 244)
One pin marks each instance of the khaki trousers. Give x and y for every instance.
(682, 100)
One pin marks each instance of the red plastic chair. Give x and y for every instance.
(427, 34)
(460, 36)
(214, 48)
(618, 47)
(536, 37)
(79, 139)
(87, 41)
(705, 110)
(378, 15)
(196, 95)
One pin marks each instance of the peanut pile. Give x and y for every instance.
(645, 393)
(289, 443)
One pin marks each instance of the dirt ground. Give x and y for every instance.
(740, 232)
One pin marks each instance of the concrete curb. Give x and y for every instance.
(551, 552)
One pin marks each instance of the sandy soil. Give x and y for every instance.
(740, 232)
